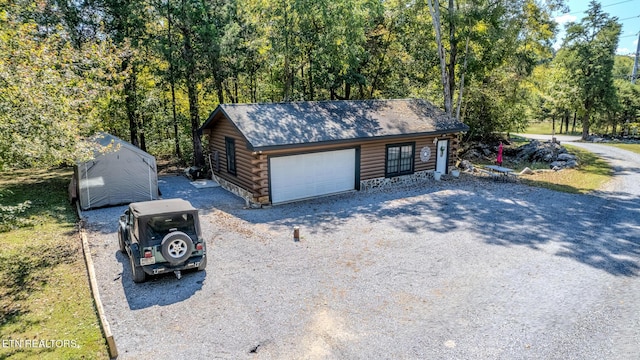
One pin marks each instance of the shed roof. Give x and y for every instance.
(108, 143)
(274, 125)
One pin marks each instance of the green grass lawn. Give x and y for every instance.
(46, 308)
(591, 174)
(546, 127)
(630, 147)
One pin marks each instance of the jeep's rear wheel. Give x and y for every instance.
(137, 273)
(176, 247)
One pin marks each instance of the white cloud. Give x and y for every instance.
(623, 51)
(563, 19)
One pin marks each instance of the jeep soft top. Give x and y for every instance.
(159, 207)
(149, 213)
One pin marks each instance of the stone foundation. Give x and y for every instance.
(417, 177)
(370, 184)
(248, 197)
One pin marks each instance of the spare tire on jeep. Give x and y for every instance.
(176, 247)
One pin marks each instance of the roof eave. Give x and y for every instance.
(211, 120)
(338, 142)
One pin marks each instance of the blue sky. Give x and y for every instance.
(627, 12)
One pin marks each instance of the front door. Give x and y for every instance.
(442, 155)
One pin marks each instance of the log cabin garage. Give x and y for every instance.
(273, 153)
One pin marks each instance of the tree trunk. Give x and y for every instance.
(434, 8)
(381, 60)
(310, 72)
(172, 84)
(229, 92)
(561, 123)
(453, 53)
(198, 155)
(130, 99)
(254, 85)
(235, 90)
(143, 140)
(464, 70)
(287, 71)
(585, 121)
(192, 92)
(176, 132)
(573, 127)
(303, 83)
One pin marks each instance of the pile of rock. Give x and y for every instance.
(466, 166)
(550, 152)
(564, 161)
(478, 151)
(535, 151)
(626, 139)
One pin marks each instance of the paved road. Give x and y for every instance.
(464, 269)
(626, 167)
(623, 193)
(622, 207)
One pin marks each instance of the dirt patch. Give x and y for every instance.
(170, 166)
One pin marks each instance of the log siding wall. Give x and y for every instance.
(253, 169)
(245, 175)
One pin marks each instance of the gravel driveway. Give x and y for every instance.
(458, 269)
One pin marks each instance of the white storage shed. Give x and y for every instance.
(119, 173)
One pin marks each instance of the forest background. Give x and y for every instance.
(150, 71)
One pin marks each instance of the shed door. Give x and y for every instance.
(442, 157)
(302, 176)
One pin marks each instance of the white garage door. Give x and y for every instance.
(302, 176)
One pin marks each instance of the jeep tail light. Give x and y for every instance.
(199, 246)
(147, 254)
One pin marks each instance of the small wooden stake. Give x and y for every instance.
(296, 233)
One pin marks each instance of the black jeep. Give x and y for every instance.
(161, 236)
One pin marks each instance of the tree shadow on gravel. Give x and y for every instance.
(603, 233)
(601, 230)
(160, 290)
(105, 220)
(203, 199)
(597, 230)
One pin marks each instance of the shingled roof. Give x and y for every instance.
(274, 125)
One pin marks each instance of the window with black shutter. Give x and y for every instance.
(399, 159)
(230, 145)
